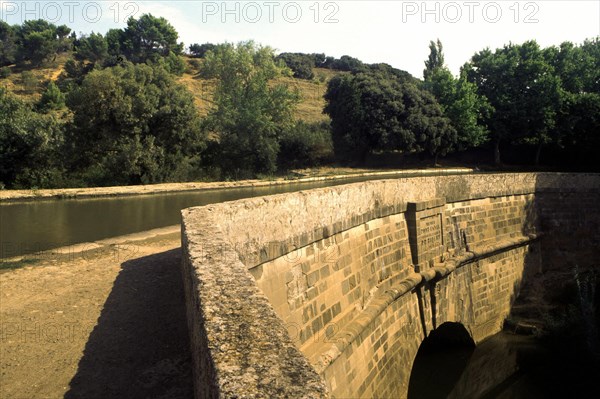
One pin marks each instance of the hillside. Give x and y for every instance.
(28, 84)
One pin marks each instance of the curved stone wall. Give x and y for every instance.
(331, 291)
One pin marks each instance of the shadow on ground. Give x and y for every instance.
(140, 347)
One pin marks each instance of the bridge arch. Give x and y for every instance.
(440, 361)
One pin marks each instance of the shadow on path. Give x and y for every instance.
(140, 347)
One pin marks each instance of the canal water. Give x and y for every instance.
(34, 226)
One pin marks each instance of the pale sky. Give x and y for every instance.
(394, 32)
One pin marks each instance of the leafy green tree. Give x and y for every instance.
(149, 37)
(347, 63)
(435, 60)
(250, 111)
(92, 48)
(114, 38)
(578, 123)
(29, 145)
(301, 64)
(52, 98)
(8, 44)
(200, 50)
(37, 41)
(577, 66)
(458, 98)
(64, 42)
(524, 92)
(132, 124)
(172, 63)
(380, 111)
(585, 133)
(305, 145)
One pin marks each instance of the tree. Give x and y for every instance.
(29, 144)
(376, 110)
(93, 48)
(132, 124)
(300, 64)
(64, 43)
(52, 98)
(524, 92)
(578, 123)
(347, 63)
(114, 38)
(435, 60)
(250, 111)
(200, 50)
(147, 38)
(305, 145)
(458, 98)
(8, 44)
(37, 41)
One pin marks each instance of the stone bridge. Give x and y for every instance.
(330, 292)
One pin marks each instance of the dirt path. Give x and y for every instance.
(108, 323)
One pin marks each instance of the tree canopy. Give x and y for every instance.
(29, 145)
(148, 37)
(250, 111)
(132, 124)
(458, 98)
(524, 91)
(116, 114)
(376, 110)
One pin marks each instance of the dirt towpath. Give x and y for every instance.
(108, 323)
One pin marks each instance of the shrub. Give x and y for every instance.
(305, 145)
(52, 98)
(29, 82)
(5, 72)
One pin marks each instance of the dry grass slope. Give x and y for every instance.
(310, 108)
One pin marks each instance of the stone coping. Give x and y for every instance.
(241, 348)
(7, 196)
(290, 221)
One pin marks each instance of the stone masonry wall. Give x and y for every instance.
(320, 289)
(354, 277)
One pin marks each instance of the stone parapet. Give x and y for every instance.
(316, 293)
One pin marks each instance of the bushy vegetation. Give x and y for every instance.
(459, 100)
(199, 50)
(540, 97)
(379, 110)
(249, 114)
(132, 124)
(30, 145)
(305, 145)
(116, 114)
(301, 64)
(520, 95)
(52, 99)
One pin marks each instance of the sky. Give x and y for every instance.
(394, 32)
